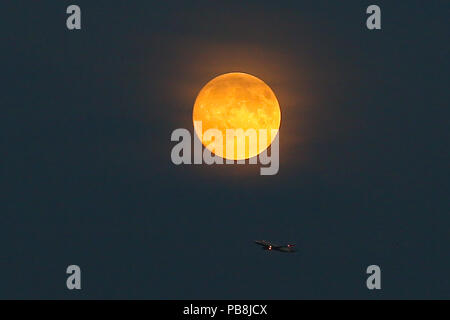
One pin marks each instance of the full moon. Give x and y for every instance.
(237, 101)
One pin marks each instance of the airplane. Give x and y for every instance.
(271, 246)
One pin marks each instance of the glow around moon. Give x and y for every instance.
(237, 101)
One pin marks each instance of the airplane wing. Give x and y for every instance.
(266, 243)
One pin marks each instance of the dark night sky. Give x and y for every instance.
(86, 171)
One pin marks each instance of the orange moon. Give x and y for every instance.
(237, 101)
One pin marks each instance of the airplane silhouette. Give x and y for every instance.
(271, 246)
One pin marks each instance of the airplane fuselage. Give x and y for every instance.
(274, 247)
